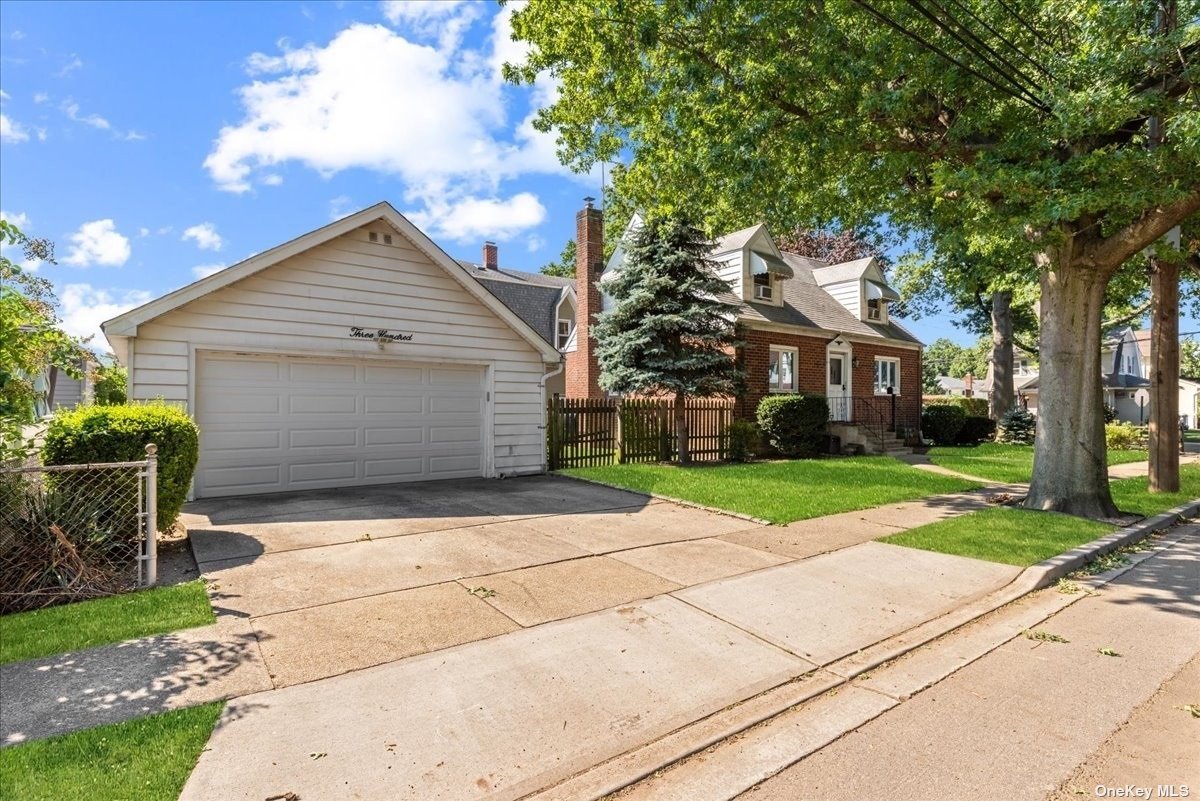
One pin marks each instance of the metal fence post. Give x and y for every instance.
(151, 514)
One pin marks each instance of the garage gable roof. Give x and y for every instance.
(125, 325)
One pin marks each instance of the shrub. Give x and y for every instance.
(795, 425)
(976, 430)
(1016, 427)
(941, 422)
(1125, 437)
(120, 434)
(972, 407)
(744, 439)
(1110, 413)
(109, 386)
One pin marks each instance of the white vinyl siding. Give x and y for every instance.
(306, 305)
(849, 294)
(729, 270)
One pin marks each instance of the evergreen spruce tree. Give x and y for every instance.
(669, 333)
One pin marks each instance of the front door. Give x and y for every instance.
(839, 383)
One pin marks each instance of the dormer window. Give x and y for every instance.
(763, 289)
(564, 333)
(874, 309)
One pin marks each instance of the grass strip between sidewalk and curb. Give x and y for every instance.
(1024, 537)
(147, 758)
(782, 491)
(85, 624)
(1006, 464)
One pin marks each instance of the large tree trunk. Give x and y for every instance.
(1070, 464)
(1164, 376)
(1001, 399)
(681, 428)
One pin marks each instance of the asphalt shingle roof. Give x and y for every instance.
(533, 297)
(806, 304)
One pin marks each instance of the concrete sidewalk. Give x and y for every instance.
(302, 595)
(1012, 720)
(507, 716)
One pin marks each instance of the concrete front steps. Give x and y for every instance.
(856, 438)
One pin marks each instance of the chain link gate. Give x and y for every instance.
(71, 532)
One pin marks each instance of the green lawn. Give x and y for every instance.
(1011, 536)
(1024, 537)
(148, 759)
(1130, 494)
(27, 635)
(1005, 463)
(782, 491)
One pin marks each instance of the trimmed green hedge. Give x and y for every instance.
(795, 425)
(972, 407)
(942, 422)
(120, 434)
(976, 430)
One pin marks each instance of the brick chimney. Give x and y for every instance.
(969, 385)
(583, 368)
(491, 256)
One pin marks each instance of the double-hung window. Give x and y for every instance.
(887, 374)
(564, 333)
(781, 373)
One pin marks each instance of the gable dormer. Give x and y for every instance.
(750, 262)
(860, 286)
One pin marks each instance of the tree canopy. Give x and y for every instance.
(1054, 140)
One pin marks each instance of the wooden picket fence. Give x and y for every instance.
(587, 432)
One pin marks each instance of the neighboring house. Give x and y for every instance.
(545, 302)
(807, 326)
(359, 353)
(1189, 401)
(952, 386)
(54, 389)
(1125, 388)
(1025, 373)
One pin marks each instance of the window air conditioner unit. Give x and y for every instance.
(763, 292)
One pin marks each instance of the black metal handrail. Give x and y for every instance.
(876, 413)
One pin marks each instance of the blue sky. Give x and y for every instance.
(157, 142)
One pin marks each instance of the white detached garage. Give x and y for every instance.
(360, 353)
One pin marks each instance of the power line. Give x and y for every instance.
(973, 44)
(1034, 103)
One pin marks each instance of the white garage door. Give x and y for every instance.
(272, 423)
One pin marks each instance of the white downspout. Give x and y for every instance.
(545, 420)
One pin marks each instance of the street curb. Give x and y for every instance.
(1046, 572)
(644, 761)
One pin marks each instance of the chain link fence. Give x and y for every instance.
(72, 532)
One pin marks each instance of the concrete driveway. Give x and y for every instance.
(337, 580)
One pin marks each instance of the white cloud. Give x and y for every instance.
(535, 243)
(5, 95)
(272, 179)
(41, 97)
(84, 307)
(19, 219)
(204, 235)
(71, 109)
(438, 123)
(22, 221)
(75, 63)
(143, 233)
(341, 206)
(17, 36)
(481, 218)
(98, 242)
(11, 130)
(205, 270)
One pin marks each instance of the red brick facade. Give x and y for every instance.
(811, 369)
(583, 368)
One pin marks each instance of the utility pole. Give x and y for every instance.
(1164, 333)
